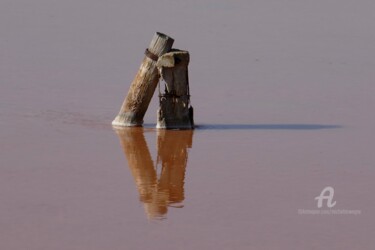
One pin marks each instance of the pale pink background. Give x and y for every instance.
(296, 77)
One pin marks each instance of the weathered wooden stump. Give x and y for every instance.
(143, 86)
(175, 111)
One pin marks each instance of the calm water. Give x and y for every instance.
(283, 93)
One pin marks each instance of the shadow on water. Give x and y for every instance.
(159, 185)
(266, 126)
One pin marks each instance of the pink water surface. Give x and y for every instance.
(283, 93)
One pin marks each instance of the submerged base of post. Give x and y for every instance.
(128, 119)
(167, 118)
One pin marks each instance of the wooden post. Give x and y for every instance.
(175, 111)
(143, 86)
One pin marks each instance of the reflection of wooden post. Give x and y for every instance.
(143, 86)
(173, 155)
(175, 111)
(139, 160)
(167, 191)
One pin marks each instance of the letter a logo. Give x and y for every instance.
(326, 194)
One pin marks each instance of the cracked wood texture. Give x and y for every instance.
(175, 111)
(143, 86)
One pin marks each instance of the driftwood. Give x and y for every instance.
(143, 86)
(175, 111)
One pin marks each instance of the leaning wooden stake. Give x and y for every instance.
(143, 86)
(175, 111)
